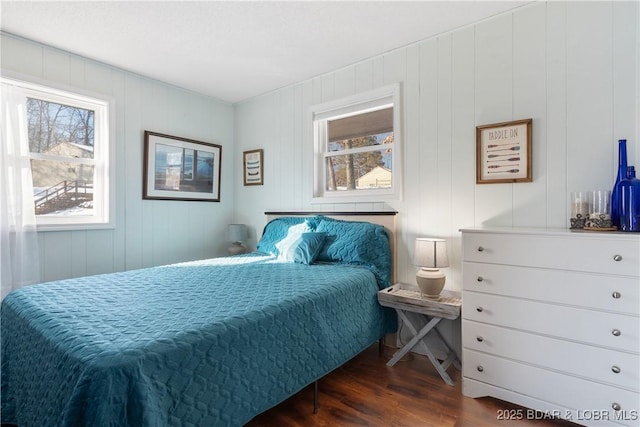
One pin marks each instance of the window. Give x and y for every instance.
(357, 142)
(69, 154)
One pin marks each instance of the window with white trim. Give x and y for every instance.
(69, 153)
(357, 146)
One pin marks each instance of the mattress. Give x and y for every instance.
(206, 343)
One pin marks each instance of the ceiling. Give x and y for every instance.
(234, 50)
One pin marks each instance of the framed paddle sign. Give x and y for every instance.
(252, 161)
(503, 152)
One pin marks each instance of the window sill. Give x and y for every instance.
(357, 198)
(74, 227)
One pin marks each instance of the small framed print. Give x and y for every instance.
(252, 162)
(503, 152)
(180, 169)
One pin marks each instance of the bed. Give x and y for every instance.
(212, 342)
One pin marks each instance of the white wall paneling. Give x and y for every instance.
(146, 232)
(626, 42)
(556, 117)
(589, 31)
(529, 89)
(571, 66)
(493, 104)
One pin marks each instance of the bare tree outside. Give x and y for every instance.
(50, 124)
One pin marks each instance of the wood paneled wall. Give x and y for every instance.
(146, 232)
(571, 66)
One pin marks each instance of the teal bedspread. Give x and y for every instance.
(207, 343)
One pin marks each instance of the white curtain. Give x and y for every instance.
(19, 255)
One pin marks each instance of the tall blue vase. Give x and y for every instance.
(630, 201)
(622, 174)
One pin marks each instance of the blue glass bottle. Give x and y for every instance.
(630, 201)
(622, 174)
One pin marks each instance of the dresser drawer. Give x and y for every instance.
(578, 252)
(604, 365)
(611, 293)
(565, 390)
(617, 331)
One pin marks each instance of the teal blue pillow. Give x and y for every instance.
(305, 249)
(278, 230)
(360, 243)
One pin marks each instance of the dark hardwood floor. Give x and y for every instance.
(365, 392)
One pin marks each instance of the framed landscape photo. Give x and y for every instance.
(252, 167)
(503, 152)
(180, 169)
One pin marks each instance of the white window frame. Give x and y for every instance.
(103, 154)
(376, 99)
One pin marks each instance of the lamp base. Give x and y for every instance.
(431, 282)
(236, 248)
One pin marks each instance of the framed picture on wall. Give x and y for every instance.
(180, 169)
(503, 152)
(252, 166)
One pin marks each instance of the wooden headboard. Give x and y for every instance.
(387, 219)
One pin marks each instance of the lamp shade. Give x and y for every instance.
(430, 253)
(236, 233)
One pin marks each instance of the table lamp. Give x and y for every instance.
(236, 234)
(430, 255)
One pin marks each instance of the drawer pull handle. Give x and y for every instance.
(617, 257)
(479, 339)
(615, 369)
(616, 406)
(616, 332)
(480, 279)
(480, 249)
(616, 295)
(480, 369)
(480, 310)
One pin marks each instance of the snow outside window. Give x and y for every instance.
(69, 156)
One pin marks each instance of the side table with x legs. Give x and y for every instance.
(405, 299)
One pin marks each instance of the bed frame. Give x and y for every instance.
(387, 219)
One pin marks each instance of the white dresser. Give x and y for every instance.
(551, 321)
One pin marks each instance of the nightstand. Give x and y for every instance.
(406, 299)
